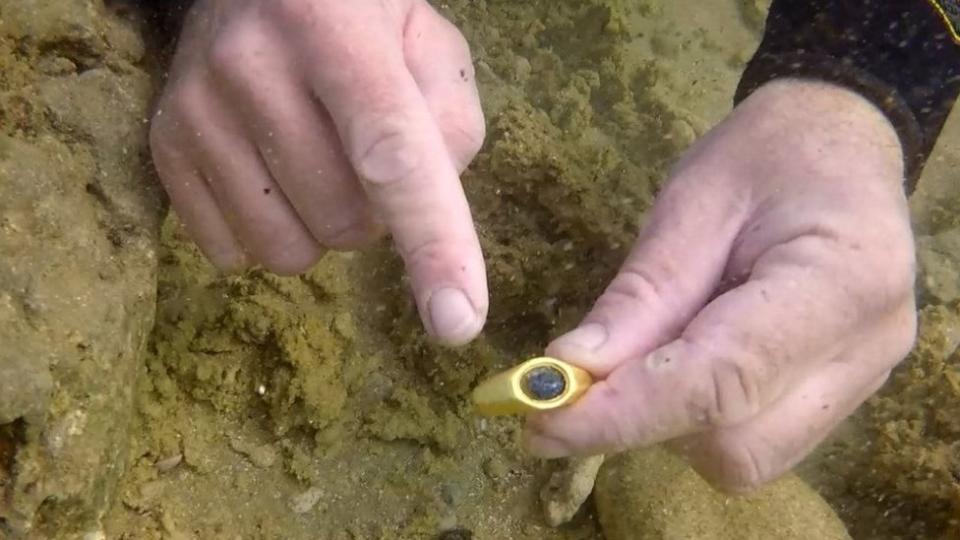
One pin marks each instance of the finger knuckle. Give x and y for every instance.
(458, 41)
(426, 256)
(904, 333)
(636, 284)
(234, 53)
(617, 431)
(352, 236)
(475, 136)
(464, 137)
(885, 272)
(159, 139)
(879, 288)
(289, 258)
(166, 148)
(897, 276)
(730, 394)
(182, 110)
(224, 57)
(386, 150)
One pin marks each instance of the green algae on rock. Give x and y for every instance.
(915, 458)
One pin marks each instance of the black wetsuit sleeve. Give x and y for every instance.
(903, 55)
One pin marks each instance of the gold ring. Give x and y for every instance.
(539, 384)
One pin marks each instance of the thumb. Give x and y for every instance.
(672, 271)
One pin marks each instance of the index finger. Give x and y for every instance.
(398, 151)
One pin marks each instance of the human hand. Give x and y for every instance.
(770, 293)
(291, 126)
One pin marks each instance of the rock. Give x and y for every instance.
(651, 494)
(568, 488)
(79, 220)
(304, 502)
(753, 13)
(169, 463)
(939, 256)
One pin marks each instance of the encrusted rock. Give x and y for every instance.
(78, 226)
(568, 488)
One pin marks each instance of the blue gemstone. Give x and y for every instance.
(545, 383)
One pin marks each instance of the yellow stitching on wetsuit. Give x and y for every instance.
(949, 11)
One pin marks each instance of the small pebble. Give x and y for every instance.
(304, 502)
(168, 464)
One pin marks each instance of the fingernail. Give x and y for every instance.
(452, 316)
(589, 337)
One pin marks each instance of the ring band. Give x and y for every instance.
(539, 384)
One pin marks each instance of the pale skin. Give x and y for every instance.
(768, 295)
